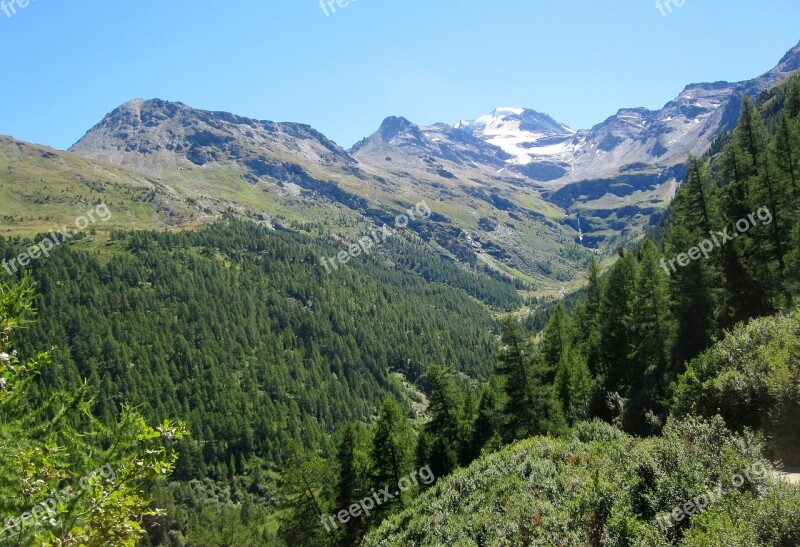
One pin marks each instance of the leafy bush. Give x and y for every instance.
(752, 379)
(65, 478)
(546, 491)
(596, 430)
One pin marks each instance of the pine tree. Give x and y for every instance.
(768, 243)
(442, 436)
(573, 385)
(654, 340)
(557, 337)
(350, 480)
(702, 212)
(488, 423)
(304, 481)
(590, 323)
(559, 351)
(653, 320)
(393, 446)
(744, 292)
(531, 407)
(696, 214)
(750, 135)
(787, 152)
(353, 464)
(617, 324)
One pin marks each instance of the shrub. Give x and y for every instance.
(545, 491)
(752, 379)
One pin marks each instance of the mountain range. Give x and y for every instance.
(514, 190)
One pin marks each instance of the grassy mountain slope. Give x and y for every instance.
(42, 189)
(290, 174)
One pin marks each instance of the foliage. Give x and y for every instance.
(89, 476)
(498, 293)
(531, 405)
(393, 444)
(546, 491)
(442, 442)
(751, 378)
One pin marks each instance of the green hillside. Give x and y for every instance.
(42, 189)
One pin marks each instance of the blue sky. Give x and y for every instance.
(66, 64)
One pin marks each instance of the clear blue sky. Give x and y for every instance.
(66, 64)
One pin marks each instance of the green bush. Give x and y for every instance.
(546, 491)
(596, 430)
(752, 379)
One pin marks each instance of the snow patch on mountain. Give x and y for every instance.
(522, 133)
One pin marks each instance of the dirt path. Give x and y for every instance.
(790, 474)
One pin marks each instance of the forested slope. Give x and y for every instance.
(238, 330)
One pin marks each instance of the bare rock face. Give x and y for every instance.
(538, 148)
(140, 132)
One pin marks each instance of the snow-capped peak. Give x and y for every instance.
(518, 131)
(500, 110)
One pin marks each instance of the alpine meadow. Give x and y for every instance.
(497, 330)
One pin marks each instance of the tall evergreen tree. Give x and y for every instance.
(353, 463)
(573, 385)
(305, 478)
(557, 337)
(750, 135)
(531, 407)
(787, 152)
(488, 423)
(590, 322)
(769, 243)
(393, 446)
(654, 330)
(441, 440)
(560, 352)
(697, 286)
(702, 212)
(744, 293)
(617, 324)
